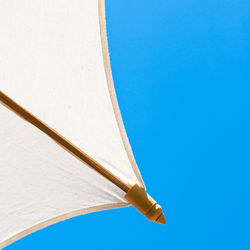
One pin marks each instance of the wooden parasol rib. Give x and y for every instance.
(135, 195)
(75, 151)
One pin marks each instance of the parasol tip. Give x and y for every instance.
(161, 219)
(145, 204)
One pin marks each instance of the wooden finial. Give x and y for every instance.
(145, 204)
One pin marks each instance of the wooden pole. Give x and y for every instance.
(75, 151)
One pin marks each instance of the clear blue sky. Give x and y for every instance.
(181, 72)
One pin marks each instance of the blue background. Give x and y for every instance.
(181, 72)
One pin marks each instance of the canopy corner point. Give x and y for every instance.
(145, 204)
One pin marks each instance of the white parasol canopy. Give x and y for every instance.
(55, 66)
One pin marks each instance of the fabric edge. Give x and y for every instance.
(112, 93)
(60, 219)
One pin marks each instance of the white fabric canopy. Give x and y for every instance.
(51, 63)
(39, 180)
